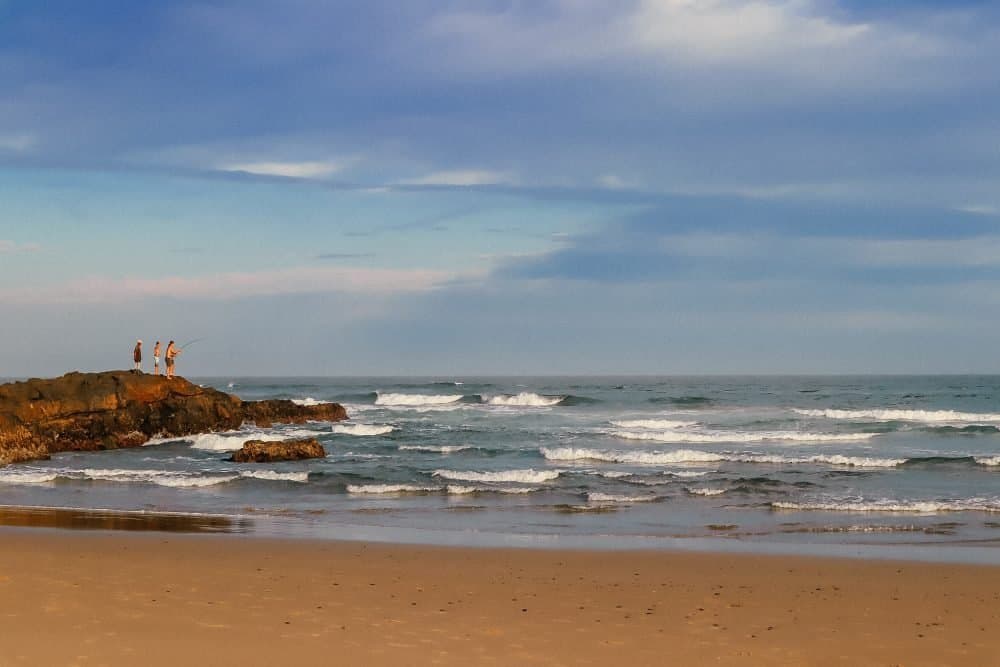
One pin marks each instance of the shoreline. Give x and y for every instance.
(269, 527)
(116, 597)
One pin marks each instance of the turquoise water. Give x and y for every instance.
(902, 465)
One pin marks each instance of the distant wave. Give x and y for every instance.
(436, 449)
(988, 460)
(525, 399)
(528, 476)
(689, 401)
(740, 436)
(362, 429)
(416, 400)
(888, 505)
(892, 414)
(653, 424)
(695, 456)
(159, 477)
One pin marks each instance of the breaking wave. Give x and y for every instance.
(463, 490)
(416, 400)
(390, 488)
(892, 414)
(705, 491)
(887, 505)
(275, 476)
(653, 424)
(740, 436)
(597, 497)
(696, 456)
(525, 399)
(528, 476)
(225, 442)
(436, 449)
(362, 429)
(308, 401)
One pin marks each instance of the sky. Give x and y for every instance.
(459, 187)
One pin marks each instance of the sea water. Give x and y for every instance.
(896, 466)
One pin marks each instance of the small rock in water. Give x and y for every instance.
(261, 451)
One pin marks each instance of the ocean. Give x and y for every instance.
(896, 467)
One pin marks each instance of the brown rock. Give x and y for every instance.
(266, 451)
(93, 411)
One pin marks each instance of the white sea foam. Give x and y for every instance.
(644, 458)
(653, 424)
(525, 399)
(308, 401)
(596, 497)
(225, 442)
(462, 490)
(695, 456)
(988, 460)
(892, 414)
(27, 477)
(705, 491)
(190, 481)
(362, 429)
(416, 400)
(740, 436)
(889, 505)
(436, 449)
(390, 488)
(523, 476)
(158, 477)
(273, 475)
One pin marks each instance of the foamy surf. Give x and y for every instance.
(696, 456)
(390, 489)
(528, 476)
(308, 401)
(226, 442)
(464, 490)
(988, 460)
(416, 400)
(524, 399)
(275, 476)
(705, 491)
(740, 436)
(435, 449)
(888, 505)
(362, 429)
(597, 497)
(893, 414)
(653, 424)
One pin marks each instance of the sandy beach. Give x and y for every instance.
(101, 598)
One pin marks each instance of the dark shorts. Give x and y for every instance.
(170, 362)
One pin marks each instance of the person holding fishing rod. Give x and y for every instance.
(171, 354)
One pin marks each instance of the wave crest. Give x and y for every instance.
(362, 429)
(528, 476)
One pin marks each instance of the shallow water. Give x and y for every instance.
(899, 464)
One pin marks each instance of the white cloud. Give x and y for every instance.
(301, 280)
(792, 38)
(461, 177)
(979, 209)
(309, 169)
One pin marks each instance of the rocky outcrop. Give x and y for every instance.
(93, 411)
(266, 451)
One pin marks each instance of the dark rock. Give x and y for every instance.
(93, 411)
(266, 451)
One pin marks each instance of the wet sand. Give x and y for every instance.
(166, 599)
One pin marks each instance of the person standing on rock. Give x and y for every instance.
(156, 358)
(170, 355)
(137, 356)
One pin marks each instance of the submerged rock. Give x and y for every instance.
(267, 451)
(94, 411)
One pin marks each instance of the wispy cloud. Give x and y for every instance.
(17, 143)
(309, 169)
(222, 286)
(461, 177)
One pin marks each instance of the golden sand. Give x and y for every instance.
(161, 599)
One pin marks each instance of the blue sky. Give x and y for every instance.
(459, 187)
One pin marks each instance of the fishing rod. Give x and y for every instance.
(190, 342)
